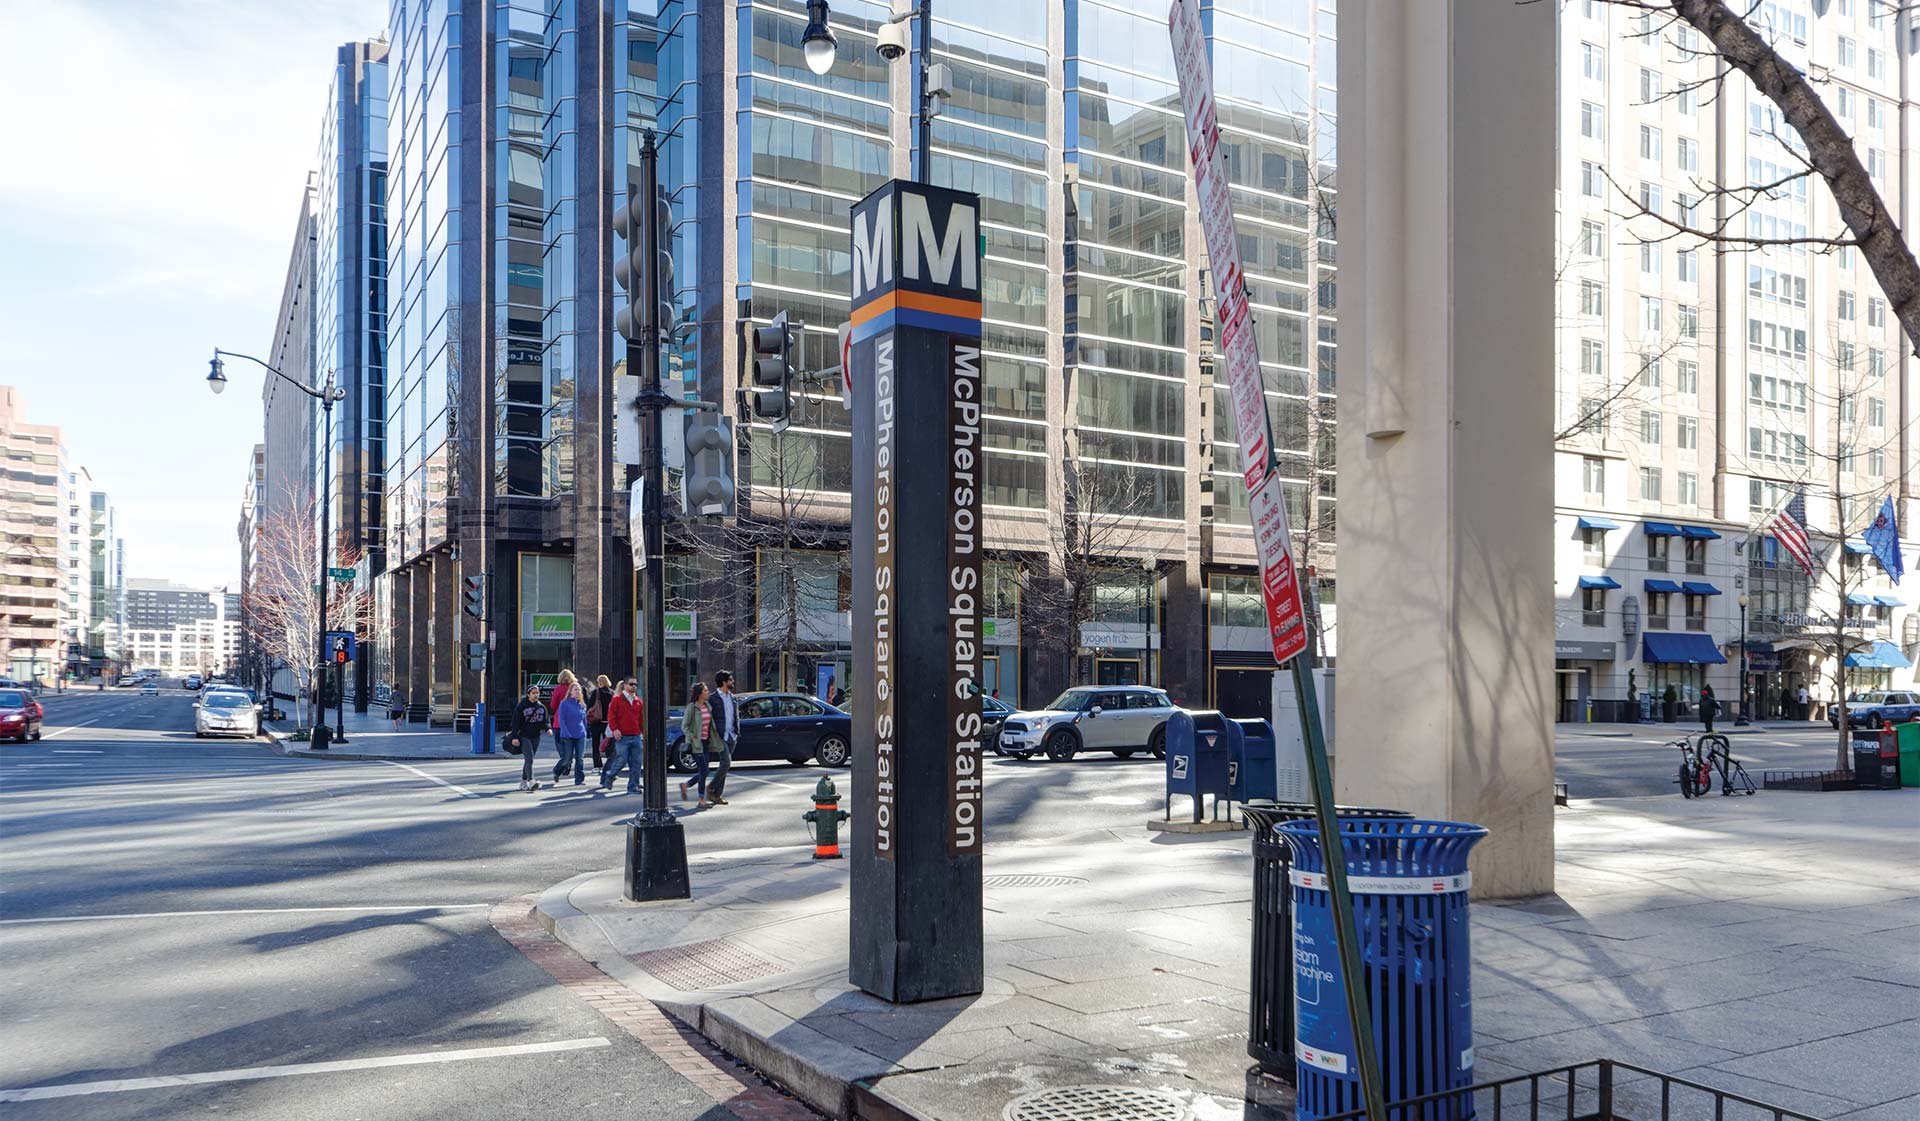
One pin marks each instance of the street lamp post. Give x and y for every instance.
(327, 394)
(1742, 718)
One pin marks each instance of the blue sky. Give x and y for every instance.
(156, 153)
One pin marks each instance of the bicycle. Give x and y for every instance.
(1697, 766)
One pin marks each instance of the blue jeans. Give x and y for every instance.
(571, 748)
(626, 753)
(699, 780)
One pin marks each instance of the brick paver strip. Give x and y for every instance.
(720, 1076)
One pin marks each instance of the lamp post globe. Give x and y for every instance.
(216, 376)
(817, 43)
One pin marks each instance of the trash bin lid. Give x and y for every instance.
(1388, 847)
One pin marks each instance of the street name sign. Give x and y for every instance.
(914, 350)
(340, 573)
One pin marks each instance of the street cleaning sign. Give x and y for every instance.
(1280, 585)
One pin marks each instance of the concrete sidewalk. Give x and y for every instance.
(1763, 945)
(370, 735)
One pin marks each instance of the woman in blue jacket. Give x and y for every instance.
(570, 734)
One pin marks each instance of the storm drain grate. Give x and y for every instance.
(705, 965)
(1096, 1103)
(1032, 881)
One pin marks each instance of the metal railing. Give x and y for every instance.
(1601, 1090)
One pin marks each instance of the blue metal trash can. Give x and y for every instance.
(1409, 883)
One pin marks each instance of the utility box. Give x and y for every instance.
(1290, 750)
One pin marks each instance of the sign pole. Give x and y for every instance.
(1279, 578)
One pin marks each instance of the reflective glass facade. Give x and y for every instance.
(425, 222)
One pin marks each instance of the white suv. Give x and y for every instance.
(1123, 719)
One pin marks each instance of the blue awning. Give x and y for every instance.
(1700, 588)
(1860, 599)
(1699, 532)
(1890, 601)
(1881, 655)
(1860, 547)
(1597, 523)
(1666, 587)
(1680, 649)
(1662, 529)
(1599, 582)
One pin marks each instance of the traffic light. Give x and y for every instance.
(773, 371)
(630, 262)
(708, 486)
(473, 594)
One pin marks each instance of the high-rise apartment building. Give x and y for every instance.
(1704, 387)
(34, 563)
(76, 564)
(181, 629)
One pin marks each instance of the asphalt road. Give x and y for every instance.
(1646, 762)
(174, 908)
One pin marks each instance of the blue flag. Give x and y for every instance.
(1883, 536)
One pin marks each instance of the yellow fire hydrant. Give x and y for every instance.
(825, 817)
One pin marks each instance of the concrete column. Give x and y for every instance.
(1445, 452)
(400, 602)
(420, 641)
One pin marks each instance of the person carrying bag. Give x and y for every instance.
(530, 718)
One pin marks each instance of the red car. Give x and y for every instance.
(20, 715)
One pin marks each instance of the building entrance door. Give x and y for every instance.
(1116, 671)
(1244, 694)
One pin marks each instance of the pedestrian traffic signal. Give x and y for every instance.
(630, 263)
(708, 488)
(773, 371)
(473, 593)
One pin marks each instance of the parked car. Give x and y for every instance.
(20, 715)
(192, 681)
(993, 714)
(225, 712)
(790, 726)
(1870, 710)
(229, 688)
(1123, 719)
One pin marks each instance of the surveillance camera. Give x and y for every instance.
(892, 41)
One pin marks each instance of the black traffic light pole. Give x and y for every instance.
(656, 844)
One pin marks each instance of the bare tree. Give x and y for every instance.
(1846, 471)
(285, 609)
(1816, 139)
(1099, 543)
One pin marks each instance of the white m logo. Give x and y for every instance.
(873, 247)
(918, 235)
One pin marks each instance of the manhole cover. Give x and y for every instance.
(1096, 1103)
(704, 965)
(1032, 881)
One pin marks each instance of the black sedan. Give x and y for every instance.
(789, 726)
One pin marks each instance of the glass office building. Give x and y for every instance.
(350, 314)
(513, 133)
(1065, 119)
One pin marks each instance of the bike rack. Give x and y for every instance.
(1600, 1090)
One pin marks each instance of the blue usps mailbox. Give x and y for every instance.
(1252, 774)
(1200, 751)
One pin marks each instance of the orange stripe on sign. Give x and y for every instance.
(879, 305)
(941, 305)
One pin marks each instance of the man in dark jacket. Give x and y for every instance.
(530, 718)
(726, 729)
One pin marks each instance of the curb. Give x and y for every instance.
(827, 1075)
(280, 743)
(732, 1084)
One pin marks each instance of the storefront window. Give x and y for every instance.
(546, 619)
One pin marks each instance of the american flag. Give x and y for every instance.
(1790, 528)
